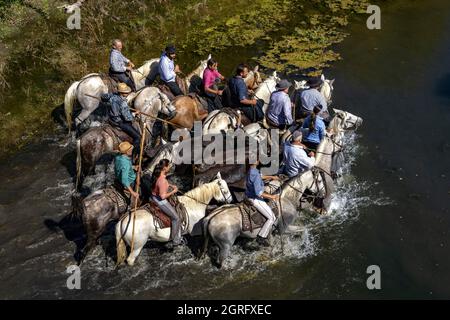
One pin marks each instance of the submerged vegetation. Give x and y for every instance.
(40, 57)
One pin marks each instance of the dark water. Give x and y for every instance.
(391, 208)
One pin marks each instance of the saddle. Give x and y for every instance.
(118, 196)
(165, 89)
(200, 99)
(109, 82)
(251, 218)
(161, 220)
(117, 135)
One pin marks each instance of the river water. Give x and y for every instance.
(391, 207)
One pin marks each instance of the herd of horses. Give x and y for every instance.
(212, 208)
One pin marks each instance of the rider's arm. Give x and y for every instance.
(212, 91)
(266, 195)
(125, 111)
(243, 97)
(287, 109)
(251, 102)
(270, 178)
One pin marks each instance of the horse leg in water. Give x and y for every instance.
(141, 233)
(224, 229)
(97, 212)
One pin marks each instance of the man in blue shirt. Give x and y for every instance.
(239, 98)
(295, 158)
(313, 129)
(312, 97)
(279, 112)
(256, 195)
(120, 66)
(168, 71)
(120, 115)
(123, 169)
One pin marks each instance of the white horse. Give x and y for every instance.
(96, 142)
(224, 224)
(329, 151)
(89, 89)
(195, 202)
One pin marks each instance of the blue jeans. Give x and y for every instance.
(166, 207)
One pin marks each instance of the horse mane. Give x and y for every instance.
(202, 193)
(294, 182)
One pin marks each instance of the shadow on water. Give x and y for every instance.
(59, 116)
(73, 229)
(442, 88)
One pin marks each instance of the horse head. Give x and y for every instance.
(254, 78)
(327, 88)
(344, 121)
(166, 105)
(224, 194)
(300, 85)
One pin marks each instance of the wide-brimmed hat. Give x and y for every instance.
(123, 88)
(170, 49)
(283, 84)
(314, 82)
(125, 146)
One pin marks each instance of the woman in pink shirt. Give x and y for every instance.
(212, 93)
(160, 192)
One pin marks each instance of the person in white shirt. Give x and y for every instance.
(295, 158)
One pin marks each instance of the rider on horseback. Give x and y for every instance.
(252, 108)
(314, 129)
(312, 97)
(120, 115)
(255, 193)
(160, 193)
(210, 89)
(120, 66)
(279, 112)
(168, 71)
(295, 158)
(124, 170)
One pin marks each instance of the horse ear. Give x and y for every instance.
(322, 77)
(219, 176)
(255, 69)
(209, 57)
(337, 110)
(332, 81)
(274, 74)
(163, 142)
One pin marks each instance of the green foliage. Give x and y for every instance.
(40, 57)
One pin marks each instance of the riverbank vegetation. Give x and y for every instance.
(40, 57)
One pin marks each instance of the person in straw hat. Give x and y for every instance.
(279, 112)
(295, 158)
(120, 115)
(124, 170)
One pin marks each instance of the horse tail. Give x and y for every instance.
(206, 233)
(69, 101)
(120, 244)
(77, 207)
(206, 237)
(78, 165)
